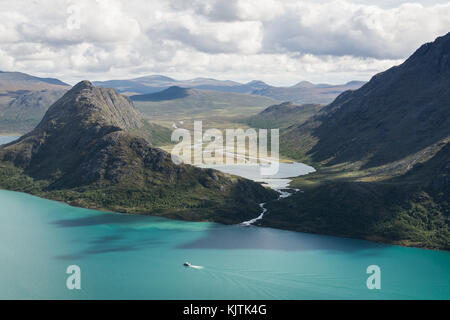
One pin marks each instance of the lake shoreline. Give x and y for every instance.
(173, 216)
(178, 215)
(281, 228)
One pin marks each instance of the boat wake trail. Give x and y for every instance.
(196, 267)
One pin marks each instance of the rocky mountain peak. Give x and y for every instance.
(82, 85)
(84, 116)
(86, 106)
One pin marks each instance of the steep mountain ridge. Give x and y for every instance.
(383, 156)
(405, 109)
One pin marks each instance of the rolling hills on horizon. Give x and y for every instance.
(18, 81)
(25, 98)
(302, 92)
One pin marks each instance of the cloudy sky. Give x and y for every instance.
(280, 42)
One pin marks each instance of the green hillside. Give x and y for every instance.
(283, 115)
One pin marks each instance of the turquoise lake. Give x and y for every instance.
(140, 257)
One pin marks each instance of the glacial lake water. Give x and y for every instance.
(140, 257)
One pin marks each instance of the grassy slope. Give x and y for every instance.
(283, 115)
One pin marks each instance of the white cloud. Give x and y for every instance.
(281, 42)
(344, 28)
(262, 10)
(6, 61)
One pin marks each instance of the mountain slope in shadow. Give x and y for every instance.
(383, 156)
(398, 113)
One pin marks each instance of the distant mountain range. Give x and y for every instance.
(25, 98)
(303, 92)
(155, 83)
(306, 92)
(85, 152)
